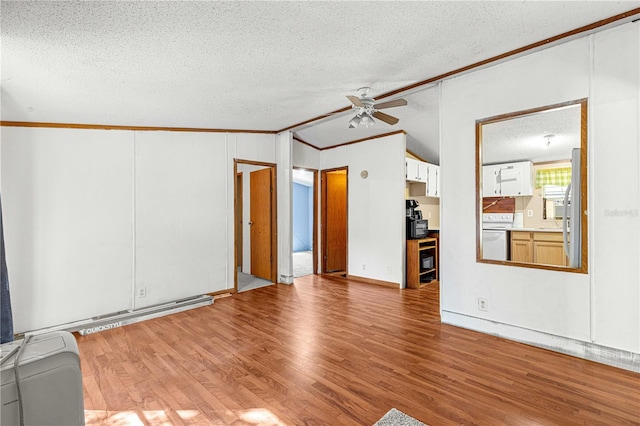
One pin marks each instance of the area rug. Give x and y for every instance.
(397, 418)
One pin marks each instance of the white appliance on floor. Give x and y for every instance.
(495, 241)
(46, 389)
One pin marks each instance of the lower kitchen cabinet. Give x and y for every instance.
(545, 248)
(521, 247)
(548, 249)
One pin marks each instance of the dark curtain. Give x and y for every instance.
(6, 318)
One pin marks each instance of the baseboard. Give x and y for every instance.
(585, 350)
(119, 319)
(372, 281)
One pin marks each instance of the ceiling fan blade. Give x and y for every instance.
(356, 101)
(391, 104)
(385, 117)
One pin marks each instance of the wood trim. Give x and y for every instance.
(584, 268)
(254, 163)
(296, 138)
(373, 281)
(502, 56)
(235, 229)
(384, 135)
(416, 156)
(315, 221)
(323, 188)
(134, 128)
(220, 294)
(274, 216)
(274, 224)
(320, 117)
(239, 232)
(521, 113)
(479, 192)
(584, 177)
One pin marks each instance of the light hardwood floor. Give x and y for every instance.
(326, 351)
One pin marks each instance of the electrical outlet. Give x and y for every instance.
(389, 269)
(429, 215)
(142, 292)
(364, 266)
(529, 213)
(483, 304)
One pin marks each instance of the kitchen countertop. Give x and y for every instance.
(537, 229)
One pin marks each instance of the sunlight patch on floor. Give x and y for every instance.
(254, 416)
(260, 416)
(112, 418)
(188, 414)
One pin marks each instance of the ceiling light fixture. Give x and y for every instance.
(367, 120)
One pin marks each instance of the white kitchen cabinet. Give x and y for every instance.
(429, 185)
(508, 179)
(433, 184)
(416, 171)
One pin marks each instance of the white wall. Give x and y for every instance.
(615, 161)
(603, 68)
(179, 183)
(305, 156)
(376, 204)
(284, 155)
(68, 220)
(91, 216)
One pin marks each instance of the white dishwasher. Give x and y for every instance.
(495, 244)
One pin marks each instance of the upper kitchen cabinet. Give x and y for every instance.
(416, 171)
(507, 179)
(423, 178)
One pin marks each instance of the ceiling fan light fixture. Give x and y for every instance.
(366, 109)
(367, 120)
(355, 122)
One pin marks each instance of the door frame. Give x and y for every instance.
(239, 217)
(323, 186)
(315, 217)
(274, 217)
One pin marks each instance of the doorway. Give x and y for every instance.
(255, 224)
(334, 221)
(305, 217)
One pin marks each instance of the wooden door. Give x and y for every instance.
(239, 210)
(334, 202)
(260, 223)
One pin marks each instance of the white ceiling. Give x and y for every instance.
(523, 138)
(257, 65)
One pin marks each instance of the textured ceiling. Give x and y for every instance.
(523, 138)
(255, 65)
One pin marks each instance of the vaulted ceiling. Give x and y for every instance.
(257, 65)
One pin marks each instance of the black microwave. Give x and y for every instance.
(417, 228)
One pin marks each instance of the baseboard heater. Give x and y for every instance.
(118, 319)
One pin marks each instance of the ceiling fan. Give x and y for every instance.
(366, 109)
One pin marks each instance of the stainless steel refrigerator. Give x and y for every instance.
(572, 217)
